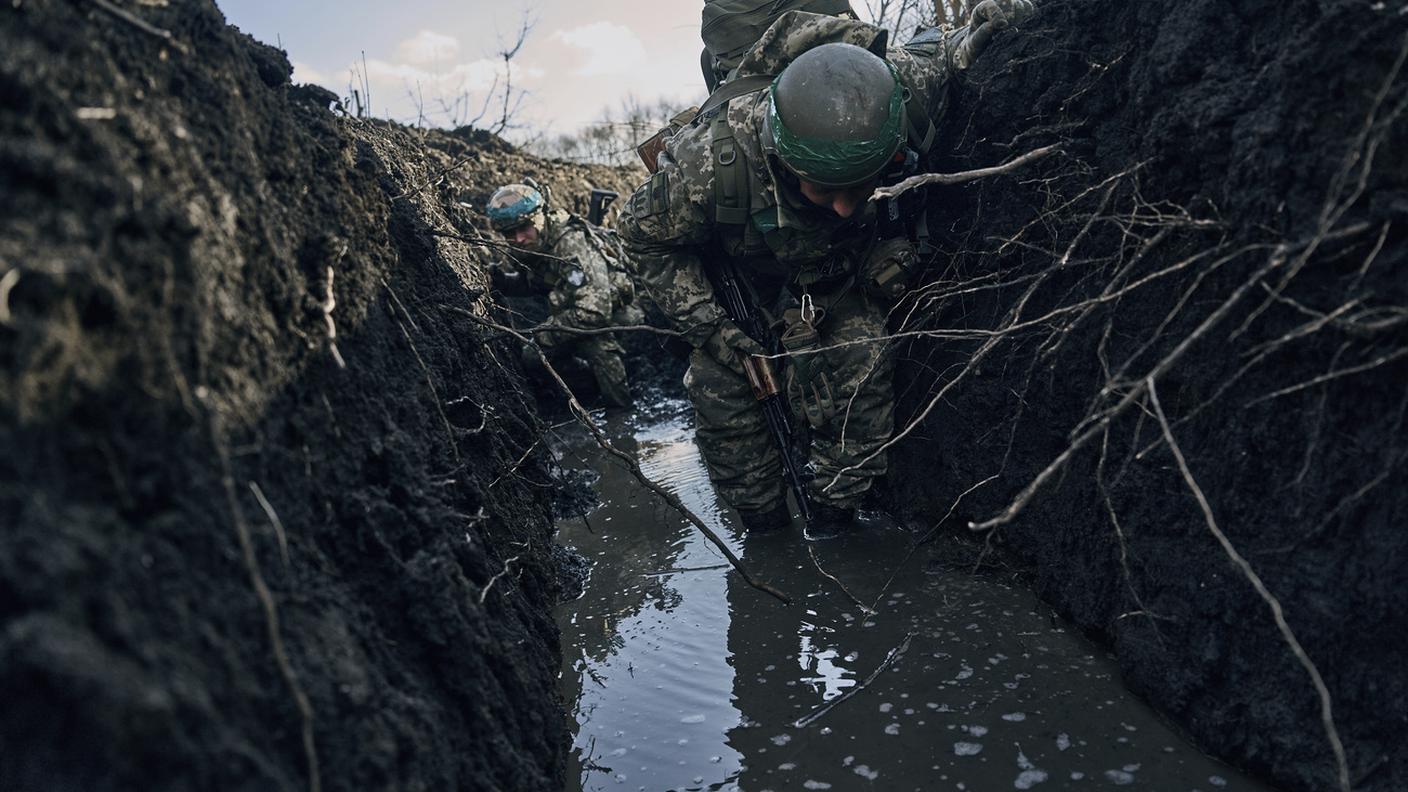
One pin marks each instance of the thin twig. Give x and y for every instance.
(142, 25)
(7, 283)
(925, 179)
(1097, 427)
(514, 468)
(816, 714)
(585, 419)
(1344, 372)
(273, 520)
(869, 611)
(437, 178)
(329, 304)
(925, 539)
(434, 394)
(271, 617)
(484, 592)
(592, 331)
(505, 247)
(1326, 714)
(678, 570)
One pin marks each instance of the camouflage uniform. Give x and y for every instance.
(670, 228)
(587, 287)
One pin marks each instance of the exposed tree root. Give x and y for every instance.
(1326, 712)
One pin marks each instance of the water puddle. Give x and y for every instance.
(679, 676)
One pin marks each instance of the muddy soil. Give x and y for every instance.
(1228, 214)
(272, 499)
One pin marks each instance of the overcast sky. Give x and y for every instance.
(579, 57)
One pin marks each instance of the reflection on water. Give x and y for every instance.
(678, 675)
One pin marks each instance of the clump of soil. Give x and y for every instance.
(273, 496)
(1227, 216)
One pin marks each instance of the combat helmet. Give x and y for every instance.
(836, 115)
(515, 205)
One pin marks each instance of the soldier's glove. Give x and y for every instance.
(728, 343)
(808, 384)
(988, 18)
(889, 268)
(505, 278)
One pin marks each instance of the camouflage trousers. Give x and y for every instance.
(742, 458)
(604, 357)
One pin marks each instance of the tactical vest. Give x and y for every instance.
(608, 244)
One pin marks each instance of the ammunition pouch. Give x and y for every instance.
(808, 386)
(889, 268)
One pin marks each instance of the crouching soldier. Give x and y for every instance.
(773, 181)
(563, 257)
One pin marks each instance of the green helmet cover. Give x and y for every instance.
(839, 162)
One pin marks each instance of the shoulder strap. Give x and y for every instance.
(730, 173)
(735, 88)
(921, 128)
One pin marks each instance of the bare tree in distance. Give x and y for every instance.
(906, 17)
(456, 107)
(511, 100)
(612, 139)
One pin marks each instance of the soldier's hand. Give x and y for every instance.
(728, 342)
(988, 18)
(1014, 10)
(502, 276)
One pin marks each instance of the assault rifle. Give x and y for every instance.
(760, 373)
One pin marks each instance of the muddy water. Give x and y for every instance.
(678, 675)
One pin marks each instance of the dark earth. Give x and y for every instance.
(257, 538)
(1223, 134)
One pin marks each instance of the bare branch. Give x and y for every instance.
(271, 614)
(1326, 715)
(926, 179)
(819, 712)
(585, 419)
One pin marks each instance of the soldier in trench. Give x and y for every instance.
(778, 180)
(576, 266)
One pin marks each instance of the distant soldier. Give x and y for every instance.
(574, 264)
(772, 181)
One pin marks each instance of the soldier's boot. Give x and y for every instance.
(765, 520)
(829, 522)
(611, 380)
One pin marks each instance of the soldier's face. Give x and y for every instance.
(525, 236)
(843, 201)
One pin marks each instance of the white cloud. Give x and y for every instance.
(428, 48)
(474, 76)
(303, 73)
(610, 48)
(448, 94)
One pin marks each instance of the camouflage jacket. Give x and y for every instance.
(669, 228)
(580, 270)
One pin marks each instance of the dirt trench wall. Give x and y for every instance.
(1228, 214)
(272, 509)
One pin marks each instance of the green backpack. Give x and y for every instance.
(730, 27)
